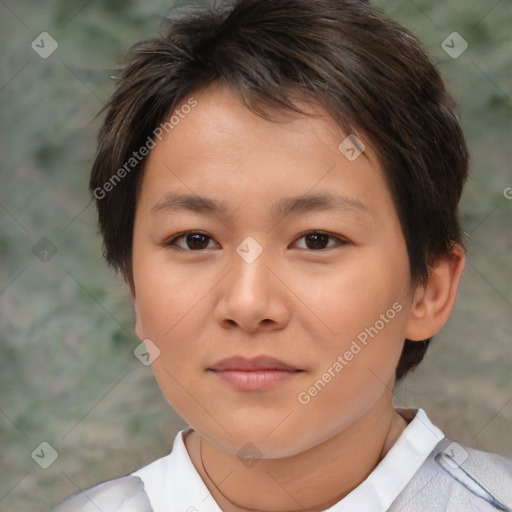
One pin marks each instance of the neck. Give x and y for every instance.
(313, 480)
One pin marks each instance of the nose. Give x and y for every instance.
(251, 296)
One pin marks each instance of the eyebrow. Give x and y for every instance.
(294, 204)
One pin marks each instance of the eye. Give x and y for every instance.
(194, 241)
(197, 241)
(317, 240)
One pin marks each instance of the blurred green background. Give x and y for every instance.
(68, 374)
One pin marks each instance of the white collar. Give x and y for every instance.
(173, 483)
(395, 470)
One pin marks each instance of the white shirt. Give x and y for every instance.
(174, 485)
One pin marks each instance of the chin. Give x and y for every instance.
(262, 436)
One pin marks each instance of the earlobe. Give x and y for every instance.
(139, 330)
(434, 301)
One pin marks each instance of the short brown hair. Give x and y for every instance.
(370, 75)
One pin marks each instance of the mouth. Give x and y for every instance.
(254, 374)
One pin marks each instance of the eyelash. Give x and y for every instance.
(339, 240)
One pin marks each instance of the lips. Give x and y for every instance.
(243, 364)
(257, 374)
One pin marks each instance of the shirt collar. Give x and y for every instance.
(396, 469)
(173, 482)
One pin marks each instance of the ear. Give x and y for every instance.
(139, 329)
(433, 302)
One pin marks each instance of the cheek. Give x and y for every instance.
(365, 307)
(167, 298)
(355, 370)
(351, 299)
(173, 311)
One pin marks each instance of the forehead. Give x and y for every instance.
(223, 151)
(221, 123)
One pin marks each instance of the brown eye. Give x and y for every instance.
(318, 240)
(197, 241)
(194, 241)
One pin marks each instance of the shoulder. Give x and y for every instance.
(125, 494)
(458, 477)
(140, 491)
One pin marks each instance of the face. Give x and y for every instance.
(296, 253)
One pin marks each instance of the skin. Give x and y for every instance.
(298, 303)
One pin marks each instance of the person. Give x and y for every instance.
(278, 183)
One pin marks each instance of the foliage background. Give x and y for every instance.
(68, 373)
